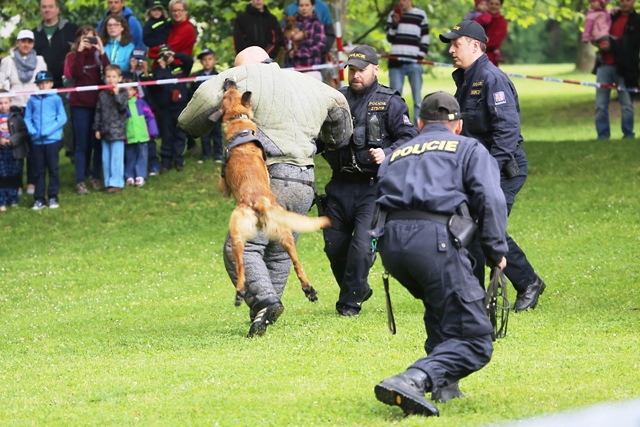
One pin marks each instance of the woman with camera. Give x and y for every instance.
(83, 67)
(117, 41)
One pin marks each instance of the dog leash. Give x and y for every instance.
(391, 322)
(497, 304)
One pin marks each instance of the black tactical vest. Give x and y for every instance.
(369, 131)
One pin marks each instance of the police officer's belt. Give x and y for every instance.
(415, 214)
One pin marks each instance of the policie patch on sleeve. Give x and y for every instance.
(499, 98)
(406, 120)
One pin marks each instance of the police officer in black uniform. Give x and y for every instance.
(421, 185)
(489, 104)
(381, 122)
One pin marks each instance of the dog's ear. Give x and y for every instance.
(246, 99)
(230, 84)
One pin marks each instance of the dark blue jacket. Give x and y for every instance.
(437, 171)
(490, 109)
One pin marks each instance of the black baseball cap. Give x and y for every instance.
(164, 49)
(361, 56)
(440, 106)
(43, 76)
(206, 51)
(157, 4)
(467, 29)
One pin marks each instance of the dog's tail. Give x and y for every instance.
(278, 217)
(304, 224)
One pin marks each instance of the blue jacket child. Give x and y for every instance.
(45, 117)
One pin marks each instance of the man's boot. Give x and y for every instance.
(265, 317)
(407, 391)
(443, 394)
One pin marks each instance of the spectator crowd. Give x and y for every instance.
(110, 135)
(160, 45)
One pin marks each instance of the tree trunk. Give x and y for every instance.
(585, 56)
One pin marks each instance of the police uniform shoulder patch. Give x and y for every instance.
(499, 98)
(406, 121)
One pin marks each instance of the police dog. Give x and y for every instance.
(247, 178)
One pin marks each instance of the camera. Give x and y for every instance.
(166, 57)
(91, 40)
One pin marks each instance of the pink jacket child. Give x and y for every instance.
(597, 24)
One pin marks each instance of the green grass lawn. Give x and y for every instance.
(117, 310)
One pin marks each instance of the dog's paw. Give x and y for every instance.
(239, 298)
(310, 293)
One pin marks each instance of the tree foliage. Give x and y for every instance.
(362, 21)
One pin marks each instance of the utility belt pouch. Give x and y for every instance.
(321, 202)
(511, 169)
(462, 226)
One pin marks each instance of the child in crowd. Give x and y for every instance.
(13, 148)
(156, 28)
(141, 128)
(140, 71)
(170, 100)
(480, 14)
(212, 142)
(110, 124)
(597, 24)
(45, 117)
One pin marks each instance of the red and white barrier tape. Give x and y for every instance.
(339, 65)
(99, 87)
(546, 79)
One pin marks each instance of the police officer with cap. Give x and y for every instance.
(489, 103)
(380, 123)
(421, 185)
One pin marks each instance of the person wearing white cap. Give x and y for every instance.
(18, 69)
(17, 73)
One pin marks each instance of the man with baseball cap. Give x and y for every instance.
(421, 185)
(489, 103)
(381, 122)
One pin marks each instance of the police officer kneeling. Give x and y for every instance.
(421, 185)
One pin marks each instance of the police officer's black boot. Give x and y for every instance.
(443, 394)
(407, 391)
(528, 299)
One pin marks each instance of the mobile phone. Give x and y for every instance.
(398, 11)
(91, 40)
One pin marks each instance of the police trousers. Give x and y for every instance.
(519, 270)
(347, 242)
(420, 255)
